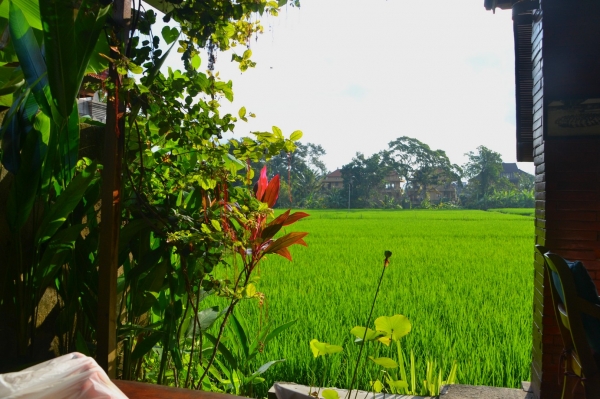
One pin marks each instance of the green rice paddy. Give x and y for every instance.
(463, 278)
(515, 211)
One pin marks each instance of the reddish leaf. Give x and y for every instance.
(286, 241)
(302, 242)
(272, 192)
(280, 219)
(270, 231)
(285, 253)
(294, 217)
(262, 184)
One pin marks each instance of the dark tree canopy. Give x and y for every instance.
(483, 169)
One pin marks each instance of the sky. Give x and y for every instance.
(354, 75)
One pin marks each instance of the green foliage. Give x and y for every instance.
(397, 382)
(440, 259)
(421, 166)
(187, 204)
(483, 168)
(515, 211)
(366, 177)
(301, 173)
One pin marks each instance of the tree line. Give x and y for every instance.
(407, 174)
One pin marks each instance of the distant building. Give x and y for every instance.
(392, 183)
(88, 101)
(512, 172)
(334, 180)
(436, 194)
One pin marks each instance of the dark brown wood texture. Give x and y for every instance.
(108, 248)
(522, 28)
(571, 49)
(567, 169)
(140, 390)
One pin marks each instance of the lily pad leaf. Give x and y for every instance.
(385, 362)
(395, 327)
(330, 394)
(371, 334)
(397, 385)
(376, 386)
(322, 348)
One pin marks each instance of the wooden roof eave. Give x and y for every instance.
(501, 4)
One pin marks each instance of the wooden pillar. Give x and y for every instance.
(106, 332)
(566, 69)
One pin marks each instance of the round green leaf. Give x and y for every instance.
(376, 386)
(322, 348)
(396, 326)
(195, 61)
(384, 362)
(297, 135)
(371, 335)
(397, 385)
(330, 394)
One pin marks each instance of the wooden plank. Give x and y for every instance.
(108, 247)
(134, 390)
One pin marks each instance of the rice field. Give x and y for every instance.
(515, 211)
(463, 278)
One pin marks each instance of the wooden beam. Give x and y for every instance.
(108, 250)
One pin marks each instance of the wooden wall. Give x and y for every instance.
(566, 64)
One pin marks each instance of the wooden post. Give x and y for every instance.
(106, 332)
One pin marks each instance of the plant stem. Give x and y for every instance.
(214, 353)
(366, 330)
(195, 321)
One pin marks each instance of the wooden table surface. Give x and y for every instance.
(135, 390)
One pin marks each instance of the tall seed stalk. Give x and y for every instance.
(386, 262)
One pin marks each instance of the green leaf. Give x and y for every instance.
(250, 291)
(330, 394)
(395, 327)
(25, 186)
(267, 365)
(322, 348)
(242, 114)
(376, 386)
(169, 34)
(15, 81)
(61, 58)
(397, 385)
(58, 212)
(56, 254)
(277, 132)
(215, 224)
(206, 319)
(30, 9)
(240, 335)
(195, 61)
(385, 362)
(224, 351)
(30, 56)
(68, 141)
(176, 355)
(81, 345)
(297, 135)
(371, 335)
(134, 68)
(278, 330)
(146, 345)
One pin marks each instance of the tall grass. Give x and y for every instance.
(463, 278)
